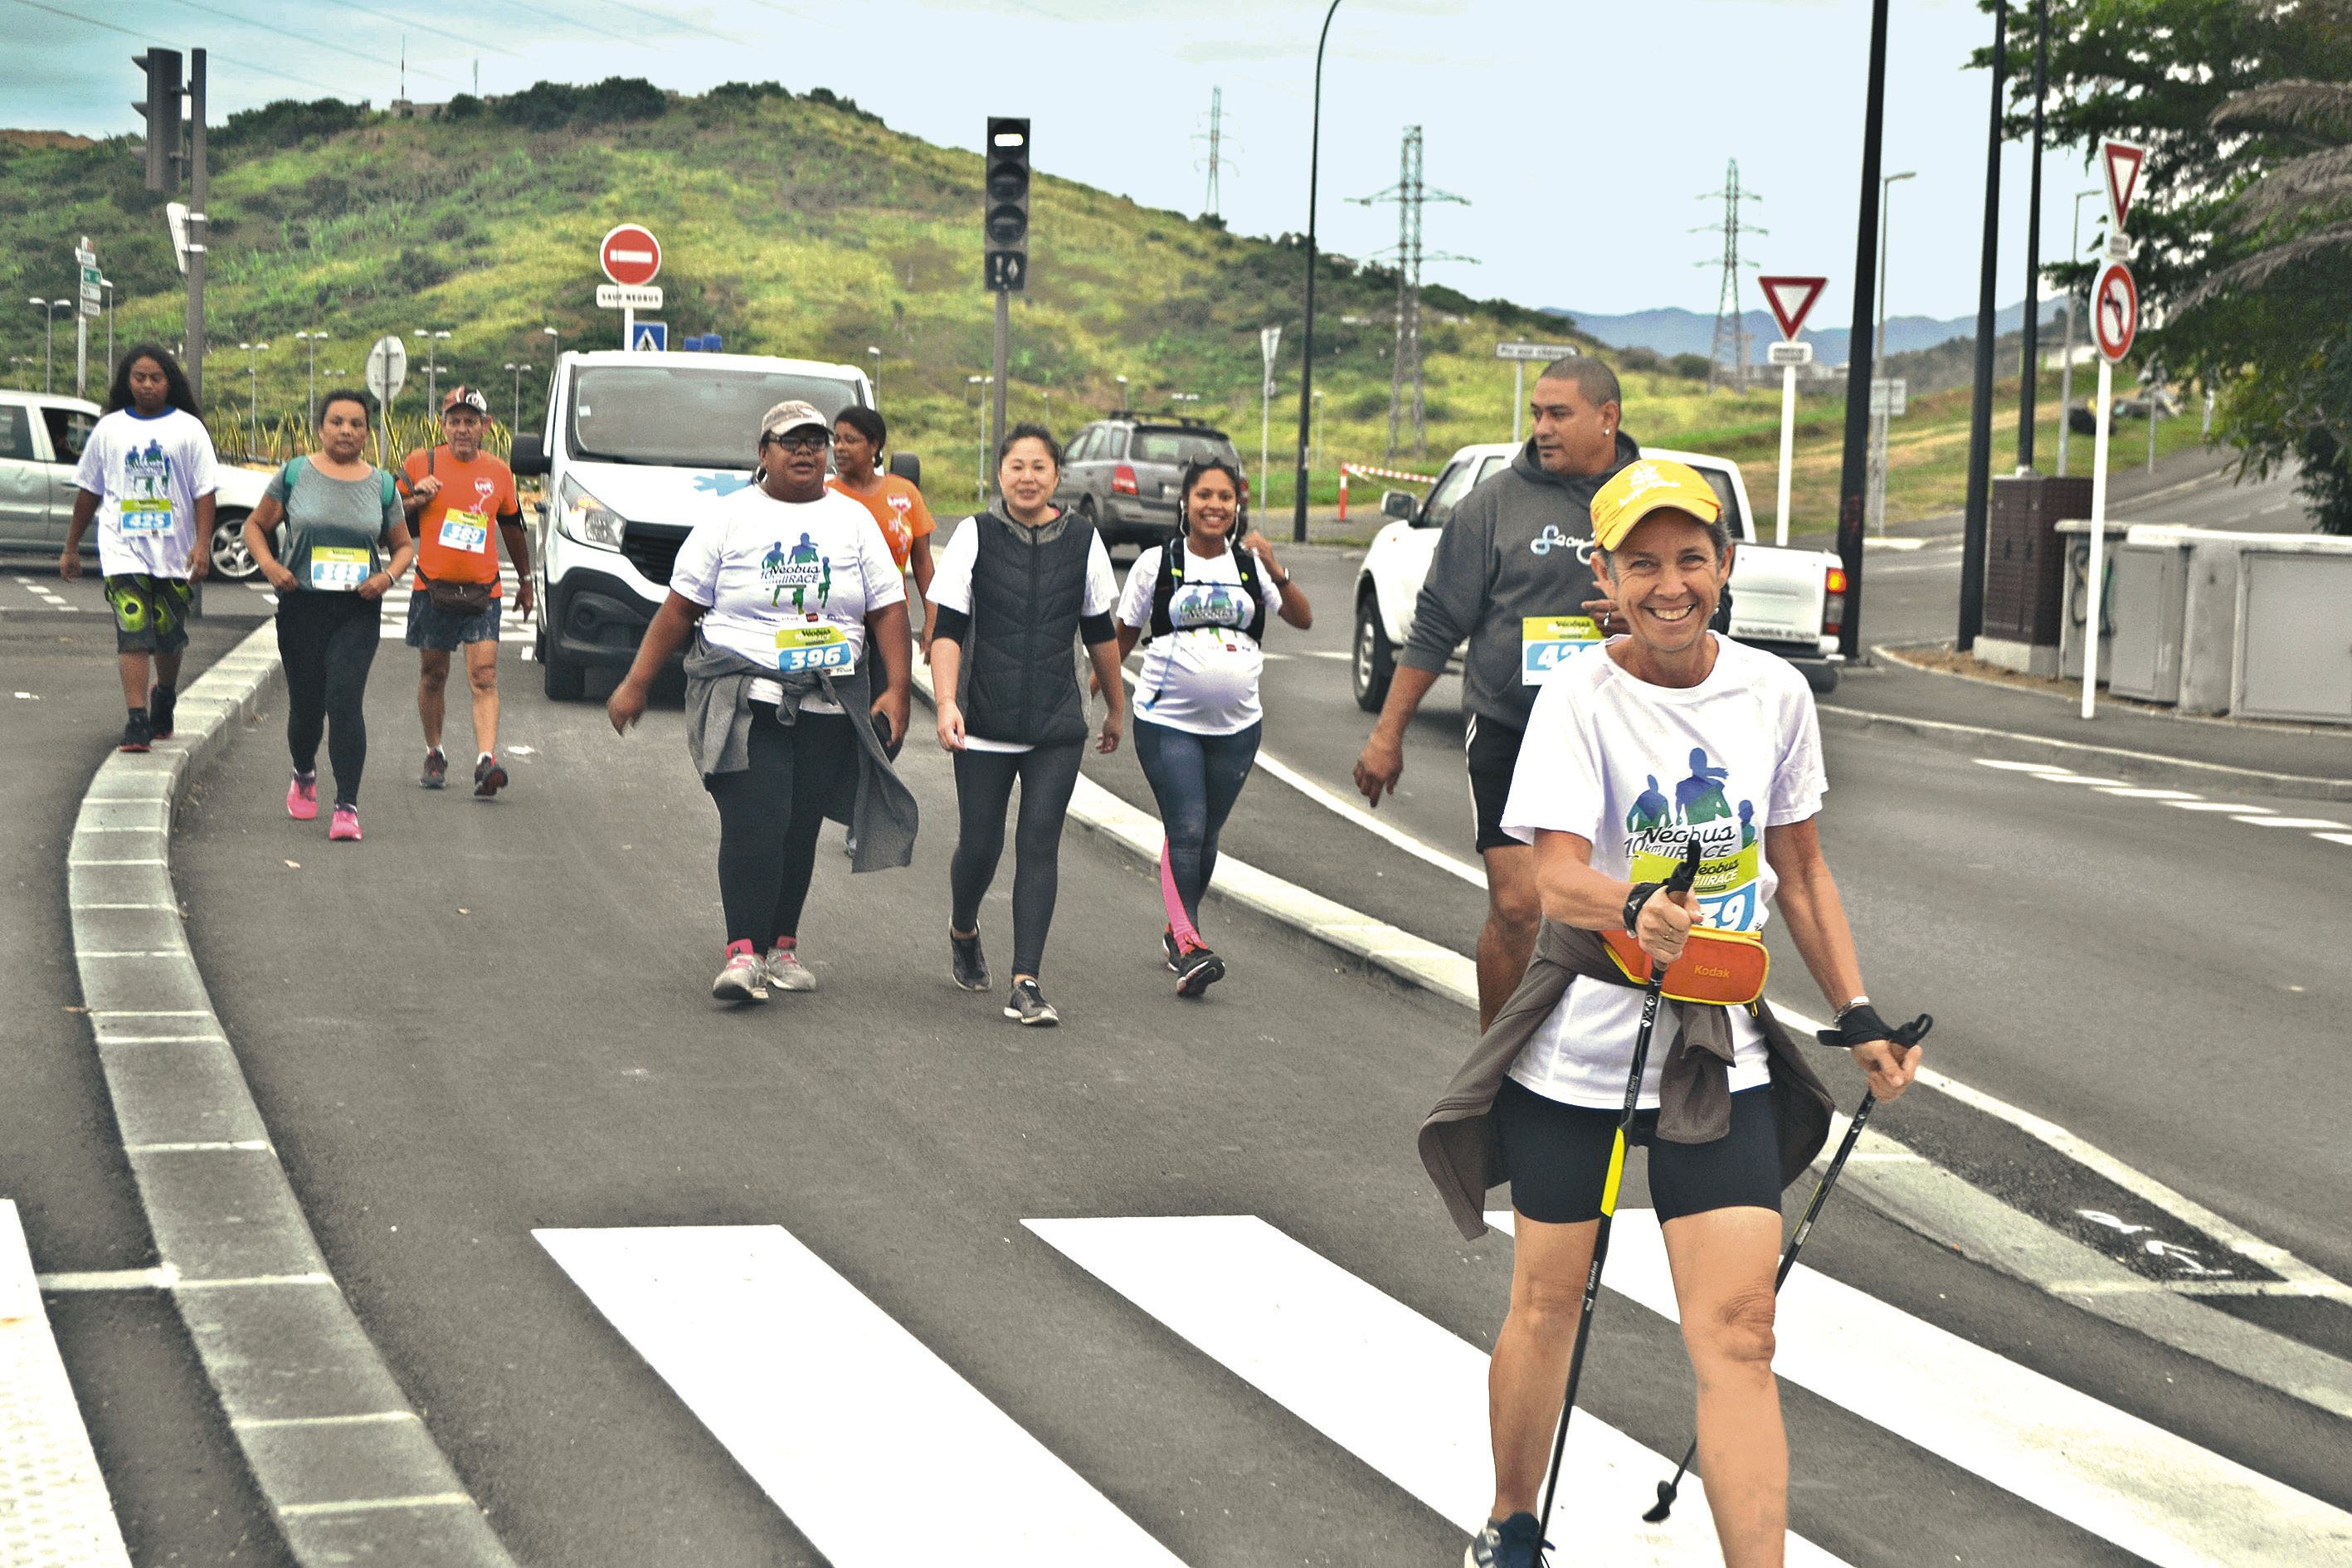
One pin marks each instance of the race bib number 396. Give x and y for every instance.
(811, 647)
(1546, 640)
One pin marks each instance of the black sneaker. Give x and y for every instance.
(489, 777)
(967, 963)
(1175, 953)
(137, 731)
(1197, 970)
(436, 770)
(161, 704)
(1513, 1543)
(1027, 1004)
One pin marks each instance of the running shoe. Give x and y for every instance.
(1027, 1004)
(1197, 970)
(967, 963)
(785, 971)
(1513, 1543)
(346, 823)
(489, 777)
(137, 731)
(436, 770)
(161, 705)
(745, 978)
(302, 798)
(1175, 952)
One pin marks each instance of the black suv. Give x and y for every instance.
(1121, 473)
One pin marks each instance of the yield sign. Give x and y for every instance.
(1792, 298)
(2123, 161)
(2114, 311)
(630, 255)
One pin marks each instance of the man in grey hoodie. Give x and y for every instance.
(1514, 561)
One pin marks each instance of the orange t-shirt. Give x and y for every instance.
(457, 534)
(898, 506)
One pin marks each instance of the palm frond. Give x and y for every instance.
(2259, 269)
(2303, 107)
(2299, 186)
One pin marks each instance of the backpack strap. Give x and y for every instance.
(288, 473)
(1171, 577)
(1246, 564)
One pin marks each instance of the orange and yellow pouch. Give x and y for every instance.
(1723, 968)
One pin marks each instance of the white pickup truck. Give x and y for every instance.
(1789, 602)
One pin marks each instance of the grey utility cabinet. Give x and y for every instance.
(2295, 635)
(2151, 590)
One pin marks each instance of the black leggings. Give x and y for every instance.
(769, 817)
(1557, 1157)
(984, 789)
(1195, 779)
(327, 643)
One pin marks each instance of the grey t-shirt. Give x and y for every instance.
(334, 528)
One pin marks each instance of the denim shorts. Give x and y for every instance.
(445, 633)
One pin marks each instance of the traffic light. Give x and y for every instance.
(1005, 209)
(162, 109)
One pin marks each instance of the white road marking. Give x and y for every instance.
(2210, 806)
(2166, 795)
(2267, 820)
(2335, 837)
(832, 1407)
(1420, 851)
(2007, 766)
(1398, 1392)
(54, 1508)
(2082, 779)
(2108, 1472)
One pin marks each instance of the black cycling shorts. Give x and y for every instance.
(1557, 1157)
(1492, 751)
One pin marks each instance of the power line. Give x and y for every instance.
(676, 22)
(571, 21)
(300, 37)
(150, 37)
(1730, 326)
(1216, 159)
(1410, 195)
(427, 27)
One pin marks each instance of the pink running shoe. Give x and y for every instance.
(302, 798)
(346, 823)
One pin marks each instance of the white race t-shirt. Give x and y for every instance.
(148, 473)
(788, 584)
(1202, 676)
(952, 590)
(1637, 769)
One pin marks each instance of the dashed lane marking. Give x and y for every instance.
(2180, 800)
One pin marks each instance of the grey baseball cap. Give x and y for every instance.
(790, 415)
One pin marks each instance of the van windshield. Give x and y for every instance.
(686, 417)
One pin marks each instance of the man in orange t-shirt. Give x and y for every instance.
(460, 503)
(859, 436)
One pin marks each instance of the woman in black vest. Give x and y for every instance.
(1203, 599)
(1014, 587)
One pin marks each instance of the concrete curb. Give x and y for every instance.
(342, 1458)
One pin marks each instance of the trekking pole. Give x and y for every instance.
(1908, 1035)
(1652, 993)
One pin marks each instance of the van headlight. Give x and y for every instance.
(584, 519)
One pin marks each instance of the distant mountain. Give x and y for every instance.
(1676, 331)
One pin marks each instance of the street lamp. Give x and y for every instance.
(1122, 392)
(433, 341)
(877, 373)
(108, 284)
(48, 309)
(2066, 367)
(518, 366)
(1307, 359)
(310, 409)
(982, 382)
(1318, 428)
(252, 392)
(1882, 410)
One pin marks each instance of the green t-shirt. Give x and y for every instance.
(334, 528)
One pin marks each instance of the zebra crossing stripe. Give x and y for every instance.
(2146, 1490)
(54, 1510)
(830, 1405)
(1398, 1391)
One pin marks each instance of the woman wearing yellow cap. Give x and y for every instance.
(1635, 748)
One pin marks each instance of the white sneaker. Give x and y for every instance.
(745, 979)
(785, 972)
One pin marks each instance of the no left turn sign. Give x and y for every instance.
(2114, 311)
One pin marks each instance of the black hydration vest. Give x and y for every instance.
(1020, 667)
(1171, 577)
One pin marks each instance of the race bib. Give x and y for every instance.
(146, 517)
(465, 530)
(1546, 640)
(820, 646)
(334, 571)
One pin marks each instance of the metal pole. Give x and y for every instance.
(2098, 564)
(2153, 387)
(200, 187)
(81, 350)
(2066, 372)
(1881, 414)
(48, 345)
(999, 374)
(1858, 361)
(1973, 528)
(1307, 338)
(2030, 376)
(1519, 397)
(1788, 449)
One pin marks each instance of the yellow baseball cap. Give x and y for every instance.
(1648, 485)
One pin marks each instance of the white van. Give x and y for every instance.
(634, 447)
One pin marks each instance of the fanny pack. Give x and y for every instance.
(1724, 968)
(458, 598)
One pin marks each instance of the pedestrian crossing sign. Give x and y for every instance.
(649, 337)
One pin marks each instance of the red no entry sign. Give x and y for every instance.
(631, 255)
(2114, 311)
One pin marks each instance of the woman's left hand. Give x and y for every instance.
(1890, 1068)
(1114, 723)
(891, 708)
(1257, 544)
(377, 585)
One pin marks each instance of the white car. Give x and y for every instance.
(41, 438)
(635, 447)
(1786, 601)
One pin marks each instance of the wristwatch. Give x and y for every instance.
(1635, 899)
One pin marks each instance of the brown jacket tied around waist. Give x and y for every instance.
(1457, 1138)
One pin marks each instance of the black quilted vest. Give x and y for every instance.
(1019, 668)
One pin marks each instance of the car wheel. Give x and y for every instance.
(1372, 660)
(230, 559)
(564, 680)
(1822, 676)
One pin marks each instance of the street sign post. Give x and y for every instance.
(88, 304)
(2115, 322)
(632, 258)
(2123, 161)
(618, 297)
(1791, 300)
(1269, 339)
(1520, 354)
(387, 371)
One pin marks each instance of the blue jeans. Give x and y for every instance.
(1196, 779)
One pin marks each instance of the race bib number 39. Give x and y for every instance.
(823, 646)
(1546, 640)
(465, 530)
(145, 518)
(334, 571)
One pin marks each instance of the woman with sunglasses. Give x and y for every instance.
(1202, 602)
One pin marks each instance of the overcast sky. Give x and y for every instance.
(1581, 133)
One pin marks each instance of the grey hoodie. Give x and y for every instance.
(1519, 544)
